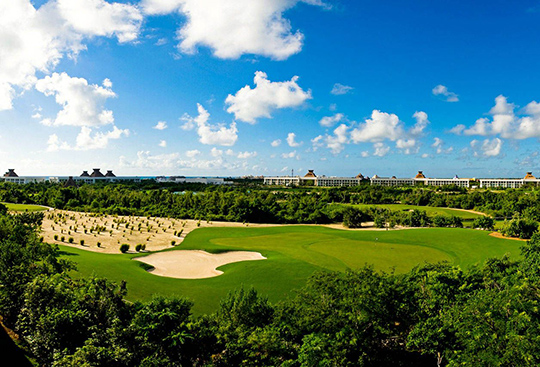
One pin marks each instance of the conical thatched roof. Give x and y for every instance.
(310, 173)
(85, 174)
(70, 182)
(11, 173)
(529, 176)
(420, 175)
(96, 173)
(360, 176)
(109, 174)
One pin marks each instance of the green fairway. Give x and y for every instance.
(24, 207)
(294, 253)
(430, 210)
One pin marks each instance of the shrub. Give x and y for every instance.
(82, 242)
(70, 240)
(56, 237)
(173, 243)
(124, 248)
(484, 222)
(353, 217)
(62, 238)
(143, 247)
(99, 244)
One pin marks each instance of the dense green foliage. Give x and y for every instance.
(432, 315)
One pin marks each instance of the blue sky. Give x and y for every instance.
(260, 87)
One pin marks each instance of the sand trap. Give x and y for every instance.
(194, 264)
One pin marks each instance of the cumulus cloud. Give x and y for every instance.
(407, 146)
(192, 153)
(246, 155)
(458, 129)
(381, 126)
(340, 89)
(380, 149)
(505, 122)
(82, 103)
(335, 142)
(161, 125)
(486, 148)
(291, 140)
(442, 91)
(290, 155)
(232, 28)
(438, 145)
(329, 121)
(35, 40)
(163, 144)
(276, 143)
(86, 140)
(250, 104)
(421, 123)
(212, 134)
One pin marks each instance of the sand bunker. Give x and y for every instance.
(194, 264)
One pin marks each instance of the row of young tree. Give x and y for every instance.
(434, 315)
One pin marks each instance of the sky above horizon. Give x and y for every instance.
(263, 87)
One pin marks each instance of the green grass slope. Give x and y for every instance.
(24, 207)
(294, 253)
(430, 210)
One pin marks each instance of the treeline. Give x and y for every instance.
(262, 204)
(434, 315)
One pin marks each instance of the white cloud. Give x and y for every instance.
(211, 134)
(276, 143)
(232, 28)
(192, 153)
(216, 152)
(291, 140)
(37, 116)
(364, 154)
(336, 143)
(82, 103)
(380, 149)
(441, 90)
(340, 89)
(458, 129)
(421, 123)
(35, 40)
(246, 155)
(163, 144)
(161, 125)
(381, 126)
(425, 155)
(290, 155)
(284, 169)
(250, 104)
(408, 146)
(329, 121)
(487, 148)
(85, 140)
(505, 123)
(438, 145)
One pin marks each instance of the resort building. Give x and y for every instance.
(311, 179)
(84, 178)
(197, 180)
(514, 183)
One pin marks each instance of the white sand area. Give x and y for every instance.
(194, 264)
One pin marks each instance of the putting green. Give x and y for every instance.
(293, 254)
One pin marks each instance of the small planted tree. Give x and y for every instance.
(124, 248)
(173, 242)
(138, 248)
(82, 242)
(70, 240)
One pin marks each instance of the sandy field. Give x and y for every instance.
(194, 264)
(110, 231)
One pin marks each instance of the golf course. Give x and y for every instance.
(24, 207)
(292, 254)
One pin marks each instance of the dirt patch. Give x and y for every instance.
(194, 264)
(110, 231)
(499, 235)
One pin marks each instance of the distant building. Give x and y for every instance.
(84, 178)
(509, 182)
(311, 179)
(199, 180)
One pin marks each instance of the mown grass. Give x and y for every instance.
(430, 210)
(24, 207)
(293, 254)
